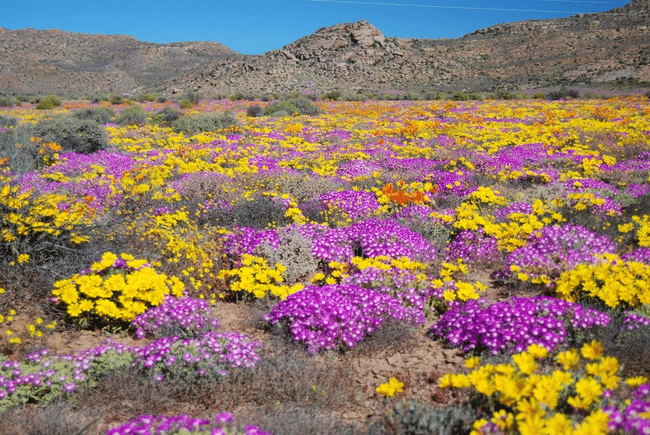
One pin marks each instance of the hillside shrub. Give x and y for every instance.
(562, 94)
(101, 115)
(255, 110)
(83, 136)
(116, 99)
(300, 106)
(332, 95)
(6, 101)
(134, 115)
(195, 124)
(48, 102)
(460, 96)
(166, 116)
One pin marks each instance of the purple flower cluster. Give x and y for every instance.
(245, 239)
(187, 317)
(472, 247)
(400, 284)
(590, 183)
(356, 204)
(163, 424)
(637, 190)
(516, 207)
(511, 326)
(641, 255)
(556, 249)
(631, 421)
(43, 375)
(211, 353)
(335, 316)
(357, 168)
(372, 238)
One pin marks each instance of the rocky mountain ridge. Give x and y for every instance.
(584, 48)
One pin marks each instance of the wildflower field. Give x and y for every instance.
(375, 267)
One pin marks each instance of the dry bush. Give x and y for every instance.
(291, 420)
(57, 418)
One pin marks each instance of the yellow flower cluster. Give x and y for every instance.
(391, 387)
(256, 277)
(114, 294)
(613, 281)
(534, 402)
(26, 216)
(643, 231)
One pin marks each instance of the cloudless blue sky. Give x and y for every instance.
(257, 26)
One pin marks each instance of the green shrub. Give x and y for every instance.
(255, 110)
(195, 124)
(15, 146)
(506, 95)
(166, 116)
(413, 418)
(460, 96)
(145, 97)
(48, 102)
(134, 115)
(538, 96)
(83, 136)
(301, 106)
(237, 96)
(101, 115)
(116, 99)
(562, 94)
(6, 101)
(332, 95)
(185, 103)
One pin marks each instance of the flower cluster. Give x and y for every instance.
(167, 425)
(256, 277)
(611, 280)
(511, 326)
(335, 316)
(354, 204)
(553, 250)
(372, 238)
(208, 356)
(534, 400)
(472, 247)
(185, 316)
(635, 418)
(45, 377)
(114, 290)
(391, 387)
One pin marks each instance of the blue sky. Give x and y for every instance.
(257, 26)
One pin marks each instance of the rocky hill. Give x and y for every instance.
(584, 48)
(53, 61)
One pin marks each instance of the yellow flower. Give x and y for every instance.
(537, 351)
(472, 362)
(23, 258)
(568, 359)
(636, 381)
(390, 388)
(589, 389)
(525, 362)
(592, 350)
(559, 424)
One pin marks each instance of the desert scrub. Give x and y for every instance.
(134, 115)
(292, 106)
(166, 116)
(414, 418)
(293, 251)
(113, 291)
(48, 102)
(195, 124)
(101, 115)
(83, 136)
